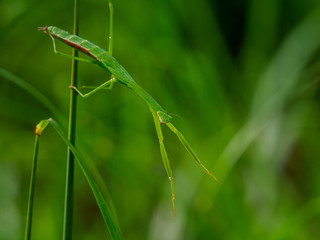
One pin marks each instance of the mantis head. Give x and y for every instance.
(164, 117)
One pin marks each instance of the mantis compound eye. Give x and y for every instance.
(164, 117)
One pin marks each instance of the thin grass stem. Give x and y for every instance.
(68, 208)
(111, 28)
(31, 190)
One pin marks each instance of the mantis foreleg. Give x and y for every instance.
(92, 87)
(164, 155)
(106, 85)
(67, 55)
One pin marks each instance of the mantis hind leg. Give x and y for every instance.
(190, 150)
(164, 155)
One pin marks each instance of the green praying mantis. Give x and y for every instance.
(105, 60)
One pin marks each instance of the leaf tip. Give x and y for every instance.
(40, 127)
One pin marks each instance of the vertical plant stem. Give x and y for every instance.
(110, 28)
(31, 189)
(68, 207)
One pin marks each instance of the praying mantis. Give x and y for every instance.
(105, 60)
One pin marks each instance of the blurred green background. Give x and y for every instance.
(243, 78)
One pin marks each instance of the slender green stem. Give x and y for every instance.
(31, 189)
(68, 208)
(111, 28)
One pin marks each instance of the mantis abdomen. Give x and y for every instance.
(109, 63)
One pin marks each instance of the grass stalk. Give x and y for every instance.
(31, 190)
(68, 207)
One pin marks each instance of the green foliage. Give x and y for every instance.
(243, 76)
(103, 205)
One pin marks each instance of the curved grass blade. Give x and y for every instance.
(107, 215)
(34, 92)
(50, 106)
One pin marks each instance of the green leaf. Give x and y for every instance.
(107, 215)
